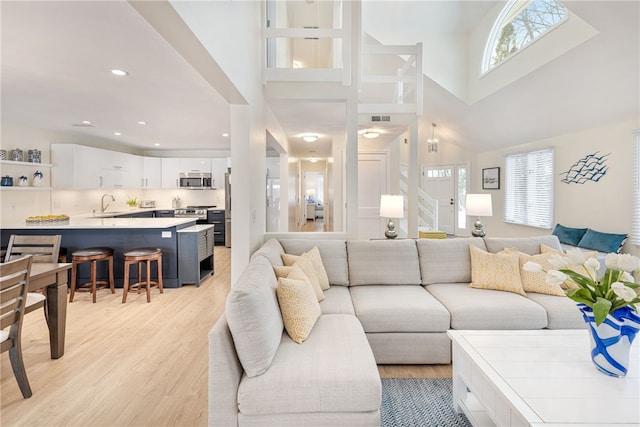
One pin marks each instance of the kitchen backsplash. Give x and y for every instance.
(17, 205)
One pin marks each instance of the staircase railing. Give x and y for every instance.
(427, 205)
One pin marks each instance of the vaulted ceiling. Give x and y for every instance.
(57, 57)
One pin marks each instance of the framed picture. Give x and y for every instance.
(491, 179)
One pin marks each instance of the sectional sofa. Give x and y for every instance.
(389, 302)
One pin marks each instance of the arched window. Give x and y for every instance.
(519, 23)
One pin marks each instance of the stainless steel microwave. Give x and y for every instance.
(195, 181)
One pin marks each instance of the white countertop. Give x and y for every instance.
(91, 222)
(195, 228)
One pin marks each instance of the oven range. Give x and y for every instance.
(197, 212)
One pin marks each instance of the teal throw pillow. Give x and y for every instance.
(602, 242)
(568, 235)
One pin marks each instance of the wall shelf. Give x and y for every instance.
(11, 162)
(30, 188)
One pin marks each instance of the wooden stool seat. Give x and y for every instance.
(142, 256)
(92, 255)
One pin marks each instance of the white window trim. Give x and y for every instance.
(635, 228)
(508, 184)
(485, 66)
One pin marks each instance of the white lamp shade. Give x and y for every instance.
(391, 206)
(479, 205)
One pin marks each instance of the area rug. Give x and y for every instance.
(419, 402)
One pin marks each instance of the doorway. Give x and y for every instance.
(448, 184)
(314, 200)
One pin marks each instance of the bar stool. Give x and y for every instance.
(92, 255)
(140, 256)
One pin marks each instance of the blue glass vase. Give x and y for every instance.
(611, 340)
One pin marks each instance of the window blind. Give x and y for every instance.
(635, 229)
(529, 188)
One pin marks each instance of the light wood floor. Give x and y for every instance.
(317, 225)
(133, 364)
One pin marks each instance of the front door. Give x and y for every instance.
(439, 183)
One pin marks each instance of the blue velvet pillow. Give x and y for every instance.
(568, 235)
(602, 242)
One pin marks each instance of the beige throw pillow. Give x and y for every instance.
(281, 270)
(298, 273)
(316, 260)
(299, 307)
(500, 272)
(569, 284)
(536, 282)
(305, 263)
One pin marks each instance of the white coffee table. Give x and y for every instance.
(539, 378)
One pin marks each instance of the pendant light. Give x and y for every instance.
(432, 143)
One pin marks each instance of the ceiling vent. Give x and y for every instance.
(380, 119)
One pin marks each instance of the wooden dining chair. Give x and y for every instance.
(41, 249)
(14, 283)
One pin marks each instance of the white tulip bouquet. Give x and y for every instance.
(614, 290)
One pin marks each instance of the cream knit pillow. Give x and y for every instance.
(297, 272)
(299, 307)
(316, 260)
(500, 272)
(305, 263)
(281, 270)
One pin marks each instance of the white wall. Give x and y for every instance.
(605, 205)
(215, 23)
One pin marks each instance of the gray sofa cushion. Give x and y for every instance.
(528, 245)
(383, 262)
(399, 308)
(562, 312)
(254, 317)
(271, 249)
(446, 260)
(333, 371)
(488, 309)
(337, 300)
(333, 253)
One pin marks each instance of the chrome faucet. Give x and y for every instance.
(102, 206)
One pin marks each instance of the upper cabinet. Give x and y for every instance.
(151, 172)
(195, 165)
(218, 169)
(74, 166)
(79, 166)
(170, 172)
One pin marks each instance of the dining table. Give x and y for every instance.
(53, 278)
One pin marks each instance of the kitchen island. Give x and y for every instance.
(121, 234)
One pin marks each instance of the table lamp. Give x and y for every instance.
(391, 206)
(478, 205)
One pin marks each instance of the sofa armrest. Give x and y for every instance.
(225, 372)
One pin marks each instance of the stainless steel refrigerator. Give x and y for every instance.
(227, 208)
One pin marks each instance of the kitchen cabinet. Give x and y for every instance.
(195, 165)
(170, 172)
(195, 249)
(218, 169)
(151, 172)
(74, 166)
(164, 213)
(216, 217)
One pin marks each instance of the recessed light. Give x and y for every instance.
(117, 133)
(119, 73)
(313, 160)
(225, 134)
(309, 137)
(156, 145)
(86, 122)
(142, 123)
